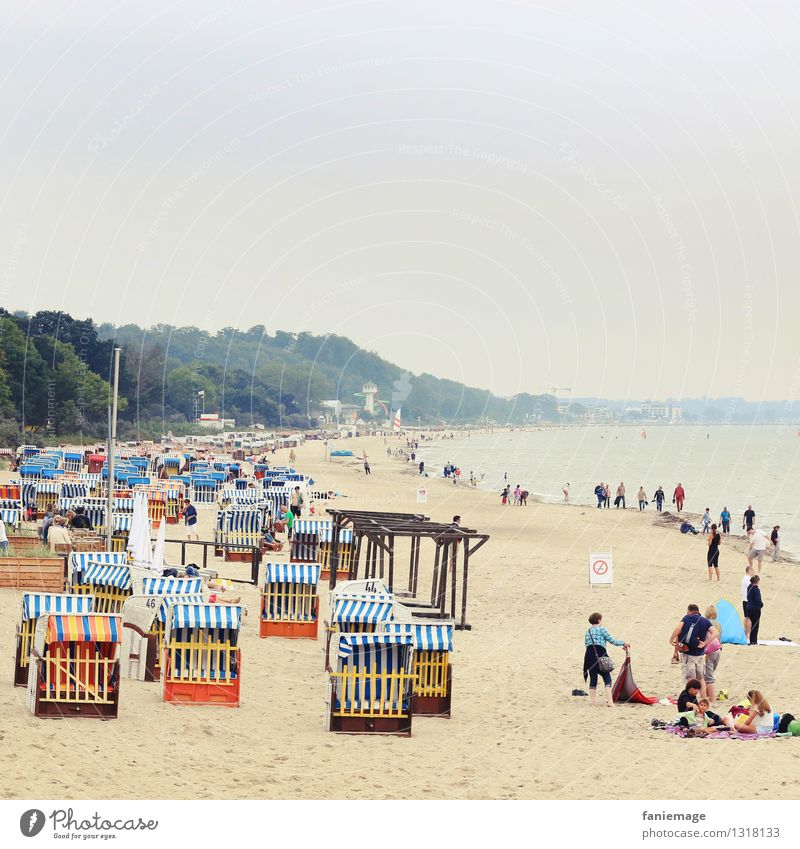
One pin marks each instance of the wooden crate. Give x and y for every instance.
(43, 574)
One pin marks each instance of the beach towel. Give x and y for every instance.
(678, 731)
(778, 643)
(731, 623)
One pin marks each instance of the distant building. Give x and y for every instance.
(212, 421)
(331, 410)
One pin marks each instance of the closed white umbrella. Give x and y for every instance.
(139, 545)
(160, 546)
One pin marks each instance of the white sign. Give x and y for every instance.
(422, 496)
(600, 568)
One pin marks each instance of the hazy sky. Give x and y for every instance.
(596, 195)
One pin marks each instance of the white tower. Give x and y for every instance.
(370, 390)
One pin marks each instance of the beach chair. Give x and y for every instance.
(78, 561)
(109, 585)
(73, 462)
(35, 605)
(304, 544)
(201, 662)
(371, 684)
(74, 666)
(433, 674)
(144, 620)
(241, 527)
(289, 601)
(347, 551)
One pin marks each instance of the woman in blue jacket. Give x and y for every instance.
(754, 607)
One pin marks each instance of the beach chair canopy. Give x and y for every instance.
(10, 517)
(426, 636)
(35, 605)
(105, 575)
(206, 616)
(169, 601)
(88, 628)
(349, 643)
(78, 560)
(172, 586)
(362, 612)
(292, 573)
(368, 590)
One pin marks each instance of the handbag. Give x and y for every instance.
(684, 646)
(604, 662)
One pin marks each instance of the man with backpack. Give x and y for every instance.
(690, 638)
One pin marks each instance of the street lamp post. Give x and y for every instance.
(112, 438)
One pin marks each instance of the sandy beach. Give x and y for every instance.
(516, 732)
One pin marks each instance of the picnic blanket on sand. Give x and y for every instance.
(680, 731)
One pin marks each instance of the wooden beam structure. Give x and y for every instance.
(376, 534)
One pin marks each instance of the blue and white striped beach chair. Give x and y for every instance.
(371, 684)
(289, 601)
(202, 661)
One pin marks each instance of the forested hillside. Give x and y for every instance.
(55, 371)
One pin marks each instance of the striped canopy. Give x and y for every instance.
(358, 610)
(104, 575)
(349, 642)
(36, 604)
(92, 627)
(206, 616)
(121, 521)
(48, 487)
(427, 636)
(292, 573)
(80, 559)
(345, 535)
(309, 526)
(10, 517)
(170, 600)
(172, 586)
(70, 489)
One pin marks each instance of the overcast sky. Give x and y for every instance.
(595, 195)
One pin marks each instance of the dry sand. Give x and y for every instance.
(516, 732)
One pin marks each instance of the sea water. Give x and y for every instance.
(720, 465)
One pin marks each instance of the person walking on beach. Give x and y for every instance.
(367, 470)
(748, 573)
(755, 606)
(504, 496)
(758, 546)
(607, 493)
(190, 518)
(690, 638)
(565, 490)
(712, 555)
(620, 499)
(658, 497)
(518, 495)
(296, 502)
(706, 520)
(594, 665)
(725, 520)
(775, 539)
(749, 518)
(600, 493)
(422, 467)
(642, 496)
(678, 497)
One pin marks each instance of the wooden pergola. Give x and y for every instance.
(375, 534)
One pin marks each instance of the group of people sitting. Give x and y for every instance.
(753, 716)
(56, 525)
